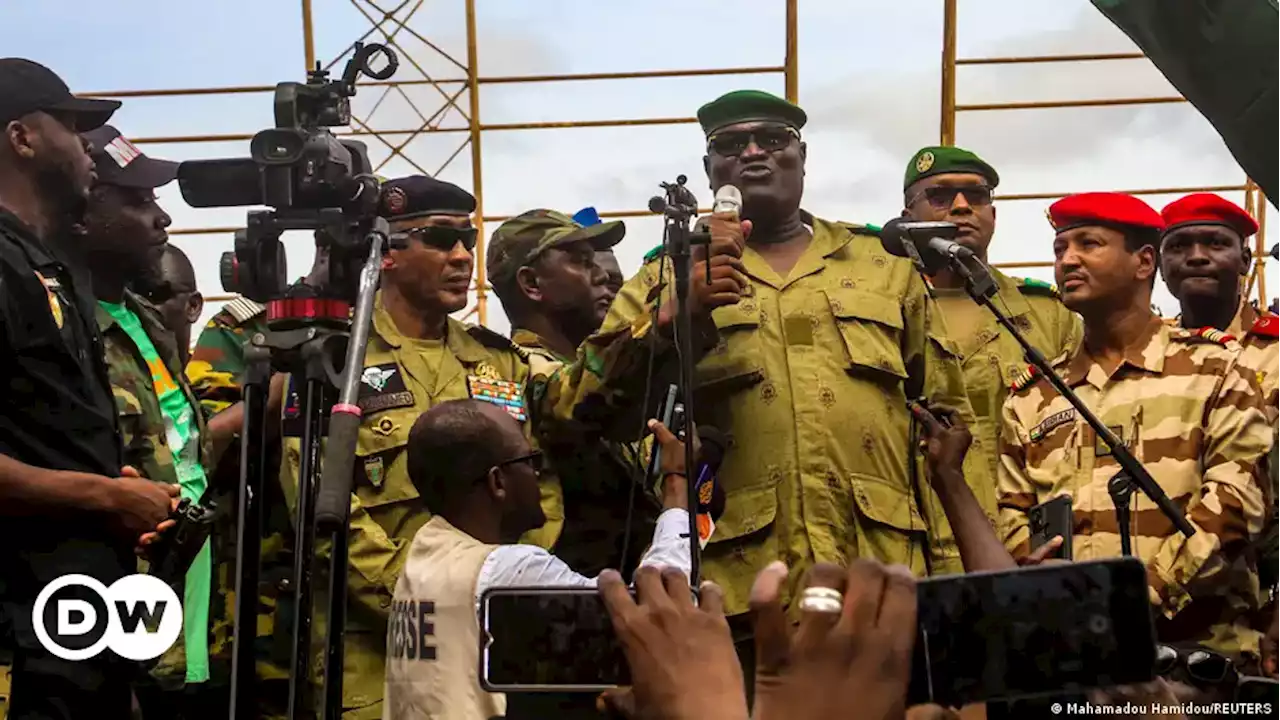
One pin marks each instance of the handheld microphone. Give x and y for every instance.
(930, 241)
(710, 494)
(728, 200)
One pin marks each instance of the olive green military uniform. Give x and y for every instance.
(596, 395)
(216, 372)
(598, 492)
(1192, 415)
(991, 358)
(146, 448)
(595, 492)
(811, 379)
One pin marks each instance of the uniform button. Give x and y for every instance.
(385, 602)
(285, 586)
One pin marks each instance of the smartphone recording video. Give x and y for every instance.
(1032, 632)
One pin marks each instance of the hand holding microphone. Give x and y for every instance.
(729, 232)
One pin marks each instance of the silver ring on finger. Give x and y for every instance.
(821, 600)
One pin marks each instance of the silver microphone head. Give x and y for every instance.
(728, 200)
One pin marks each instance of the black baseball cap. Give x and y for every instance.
(27, 87)
(118, 162)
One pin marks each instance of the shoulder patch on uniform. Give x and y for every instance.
(1025, 379)
(1213, 335)
(653, 254)
(241, 310)
(494, 340)
(1030, 286)
(1267, 325)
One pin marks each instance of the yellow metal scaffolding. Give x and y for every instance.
(471, 83)
(1255, 202)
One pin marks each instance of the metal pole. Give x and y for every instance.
(948, 124)
(792, 61)
(1260, 249)
(477, 174)
(308, 38)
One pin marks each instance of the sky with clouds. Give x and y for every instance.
(869, 79)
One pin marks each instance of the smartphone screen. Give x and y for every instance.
(1033, 631)
(544, 638)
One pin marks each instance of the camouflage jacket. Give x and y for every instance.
(595, 487)
(1192, 416)
(574, 404)
(811, 380)
(1258, 333)
(216, 372)
(217, 366)
(142, 429)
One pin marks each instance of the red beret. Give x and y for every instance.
(1103, 208)
(1208, 209)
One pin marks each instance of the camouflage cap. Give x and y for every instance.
(519, 241)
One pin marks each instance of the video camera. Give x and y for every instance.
(313, 180)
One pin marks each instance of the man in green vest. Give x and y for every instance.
(950, 184)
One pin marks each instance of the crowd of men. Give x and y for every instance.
(484, 460)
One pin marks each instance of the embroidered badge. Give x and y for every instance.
(924, 162)
(486, 371)
(376, 377)
(51, 287)
(382, 388)
(373, 468)
(504, 393)
(395, 200)
(1053, 421)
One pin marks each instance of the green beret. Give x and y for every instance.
(742, 106)
(938, 160)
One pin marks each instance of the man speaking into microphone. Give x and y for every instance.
(812, 373)
(951, 184)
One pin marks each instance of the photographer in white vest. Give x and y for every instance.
(473, 467)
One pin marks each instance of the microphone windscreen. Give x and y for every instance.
(728, 199)
(891, 237)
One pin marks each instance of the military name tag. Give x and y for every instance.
(382, 388)
(1048, 424)
(504, 393)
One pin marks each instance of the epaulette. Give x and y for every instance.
(1030, 286)
(653, 254)
(242, 309)
(1213, 335)
(1267, 326)
(497, 341)
(856, 229)
(1025, 379)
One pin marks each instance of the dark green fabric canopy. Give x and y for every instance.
(1222, 56)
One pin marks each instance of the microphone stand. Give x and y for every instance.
(678, 208)
(982, 287)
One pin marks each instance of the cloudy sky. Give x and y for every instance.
(869, 79)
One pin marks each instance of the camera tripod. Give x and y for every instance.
(308, 334)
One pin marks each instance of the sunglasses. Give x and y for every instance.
(769, 138)
(440, 238)
(1203, 666)
(533, 459)
(941, 196)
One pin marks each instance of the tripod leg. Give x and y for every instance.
(253, 465)
(337, 621)
(312, 409)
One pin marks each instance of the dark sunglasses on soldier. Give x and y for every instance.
(942, 196)
(533, 459)
(1205, 667)
(770, 138)
(438, 237)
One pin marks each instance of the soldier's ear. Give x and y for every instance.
(195, 306)
(527, 281)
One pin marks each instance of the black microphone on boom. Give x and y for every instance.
(929, 244)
